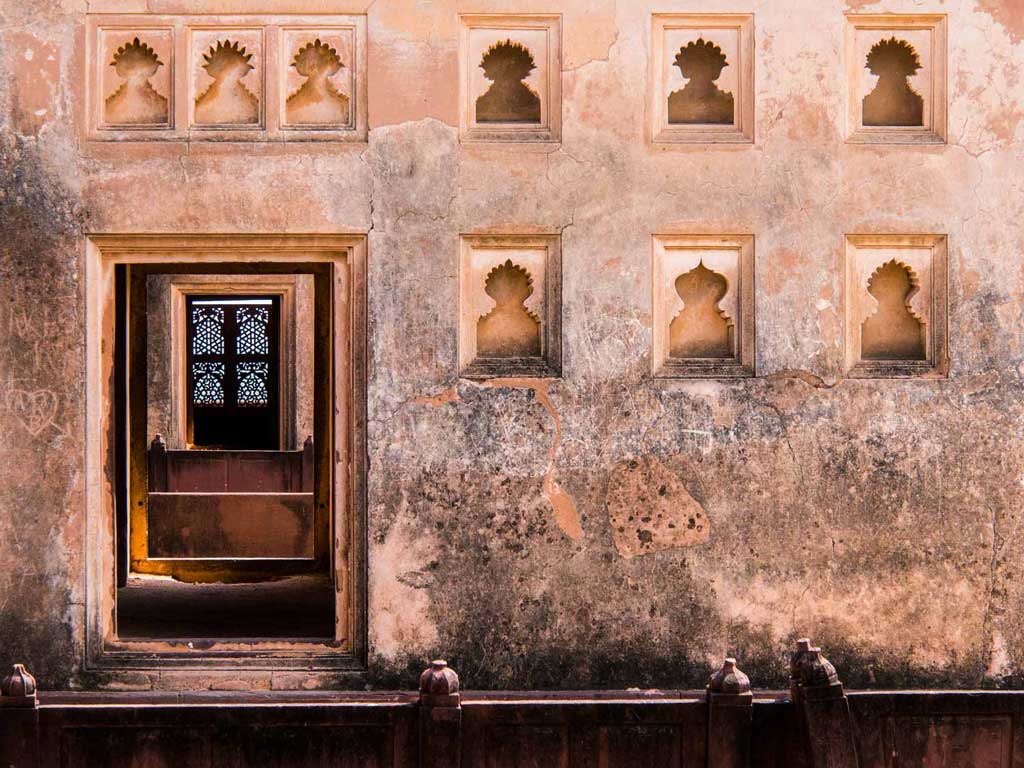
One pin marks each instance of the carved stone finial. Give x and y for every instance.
(18, 688)
(729, 679)
(158, 442)
(816, 671)
(803, 645)
(796, 661)
(439, 685)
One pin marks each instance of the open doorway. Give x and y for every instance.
(225, 406)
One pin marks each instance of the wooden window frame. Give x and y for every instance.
(343, 256)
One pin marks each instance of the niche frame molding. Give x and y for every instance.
(665, 135)
(343, 255)
(936, 362)
(937, 106)
(184, 58)
(550, 131)
(549, 365)
(742, 364)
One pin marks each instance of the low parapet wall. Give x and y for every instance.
(814, 725)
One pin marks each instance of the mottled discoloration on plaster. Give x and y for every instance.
(649, 509)
(880, 517)
(1009, 13)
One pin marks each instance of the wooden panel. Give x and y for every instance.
(652, 746)
(234, 471)
(301, 746)
(527, 746)
(558, 731)
(127, 747)
(218, 525)
(949, 742)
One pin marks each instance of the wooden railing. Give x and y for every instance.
(815, 725)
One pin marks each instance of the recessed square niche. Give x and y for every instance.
(226, 74)
(896, 78)
(702, 78)
(703, 306)
(895, 306)
(510, 306)
(134, 74)
(318, 78)
(510, 74)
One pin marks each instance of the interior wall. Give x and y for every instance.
(881, 517)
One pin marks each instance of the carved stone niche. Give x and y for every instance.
(510, 78)
(701, 79)
(226, 74)
(896, 78)
(321, 79)
(703, 306)
(895, 306)
(132, 68)
(249, 78)
(510, 306)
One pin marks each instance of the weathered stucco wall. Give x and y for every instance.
(881, 517)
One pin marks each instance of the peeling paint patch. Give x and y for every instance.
(40, 66)
(566, 515)
(650, 509)
(1008, 13)
(450, 395)
(401, 606)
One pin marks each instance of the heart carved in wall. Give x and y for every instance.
(34, 410)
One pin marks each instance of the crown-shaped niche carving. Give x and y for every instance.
(893, 331)
(509, 316)
(214, 77)
(136, 101)
(508, 99)
(703, 306)
(893, 101)
(702, 78)
(510, 329)
(701, 100)
(896, 305)
(227, 100)
(896, 72)
(319, 78)
(510, 78)
(133, 73)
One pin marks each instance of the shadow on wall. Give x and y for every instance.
(893, 332)
(893, 101)
(510, 329)
(700, 100)
(701, 329)
(136, 102)
(317, 100)
(509, 99)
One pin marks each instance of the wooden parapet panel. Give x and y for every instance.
(231, 525)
